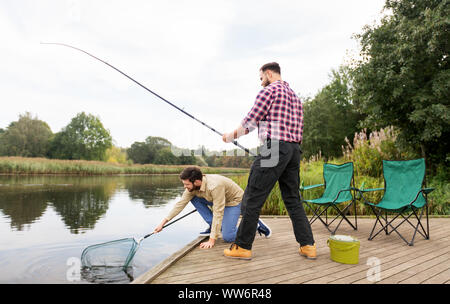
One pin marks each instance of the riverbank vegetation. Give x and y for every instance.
(367, 154)
(390, 102)
(22, 165)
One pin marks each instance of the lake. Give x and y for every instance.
(47, 221)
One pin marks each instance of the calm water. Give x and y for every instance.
(47, 221)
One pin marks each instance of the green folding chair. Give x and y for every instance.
(403, 194)
(338, 183)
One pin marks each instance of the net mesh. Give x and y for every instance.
(118, 253)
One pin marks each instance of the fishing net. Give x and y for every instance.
(118, 253)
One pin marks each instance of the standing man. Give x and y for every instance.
(218, 200)
(278, 114)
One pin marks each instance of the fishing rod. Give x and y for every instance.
(160, 97)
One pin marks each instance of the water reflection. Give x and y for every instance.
(153, 191)
(46, 221)
(80, 201)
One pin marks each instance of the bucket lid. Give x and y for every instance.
(343, 238)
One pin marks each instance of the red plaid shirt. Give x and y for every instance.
(277, 113)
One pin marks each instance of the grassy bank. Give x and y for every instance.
(311, 173)
(21, 165)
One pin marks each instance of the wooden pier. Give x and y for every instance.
(385, 259)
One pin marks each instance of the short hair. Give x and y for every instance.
(273, 66)
(192, 174)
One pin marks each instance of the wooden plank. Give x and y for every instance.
(430, 272)
(395, 266)
(411, 263)
(234, 267)
(359, 276)
(276, 260)
(234, 276)
(441, 278)
(404, 252)
(388, 255)
(332, 269)
(161, 267)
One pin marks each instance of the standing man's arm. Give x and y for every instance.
(238, 132)
(257, 113)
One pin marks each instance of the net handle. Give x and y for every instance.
(168, 224)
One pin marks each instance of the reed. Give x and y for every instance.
(311, 173)
(22, 165)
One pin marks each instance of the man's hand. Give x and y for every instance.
(160, 226)
(228, 137)
(209, 244)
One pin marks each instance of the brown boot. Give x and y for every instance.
(237, 252)
(309, 251)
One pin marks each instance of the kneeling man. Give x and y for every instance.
(219, 193)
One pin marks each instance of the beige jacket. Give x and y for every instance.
(219, 190)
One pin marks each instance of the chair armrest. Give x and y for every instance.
(427, 190)
(360, 192)
(339, 193)
(424, 191)
(370, 190)
(310, 187)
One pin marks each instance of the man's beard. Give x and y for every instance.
(194, 188)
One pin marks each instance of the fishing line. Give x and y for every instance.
(155, 94)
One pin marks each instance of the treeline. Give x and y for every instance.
(85, 138)
(401, 80)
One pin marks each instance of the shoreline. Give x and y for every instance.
(44, 166)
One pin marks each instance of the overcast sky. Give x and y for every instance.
(203, 56)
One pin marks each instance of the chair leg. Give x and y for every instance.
(378, 215)
(428, 225)
(387, 230)
(343, 214)
(317, 215)
(424, 234)
(417, 227)
(389, 223)
(383, 227)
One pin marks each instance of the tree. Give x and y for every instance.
(83, 138)
(330, 117)
(27, 137)
(139, 153)
(165, 157)
(116, 155)
(157, 150)
(403, 78)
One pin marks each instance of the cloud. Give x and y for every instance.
(203, 56)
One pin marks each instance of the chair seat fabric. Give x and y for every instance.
(327, 200)
(395, 205)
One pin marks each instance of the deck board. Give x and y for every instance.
(276, 260)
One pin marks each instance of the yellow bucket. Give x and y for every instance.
(344, 249)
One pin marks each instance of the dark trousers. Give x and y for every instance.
(266, 170)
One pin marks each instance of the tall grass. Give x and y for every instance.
(367, 153)
(21, 165)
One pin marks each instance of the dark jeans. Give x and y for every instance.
(261, 180)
